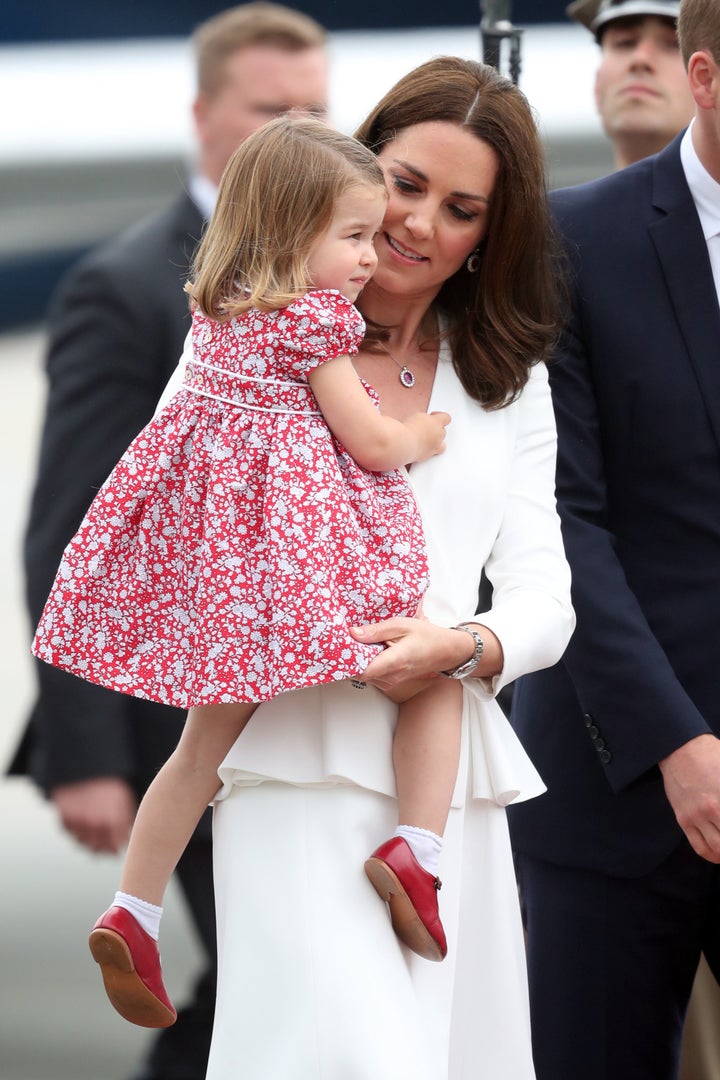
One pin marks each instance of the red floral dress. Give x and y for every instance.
(236, 540)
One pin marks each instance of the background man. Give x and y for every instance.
(116, 330)
(641, 90)
(618, 861)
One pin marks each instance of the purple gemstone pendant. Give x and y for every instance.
(406, 377)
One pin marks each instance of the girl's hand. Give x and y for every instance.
(418, 650)
(428, 430)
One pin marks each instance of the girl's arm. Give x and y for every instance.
(376, 442)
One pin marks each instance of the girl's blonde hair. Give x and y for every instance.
(277, 197)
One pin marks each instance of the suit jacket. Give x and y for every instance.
(636, 390)
(116, 330)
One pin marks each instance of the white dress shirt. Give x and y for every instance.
(706, 196)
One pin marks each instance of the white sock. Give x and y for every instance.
(425, 846)
(148, 915)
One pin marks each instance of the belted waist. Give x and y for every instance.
(263, 395)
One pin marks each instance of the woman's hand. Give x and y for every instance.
(417, 650)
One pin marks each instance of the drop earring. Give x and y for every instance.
(473, 262)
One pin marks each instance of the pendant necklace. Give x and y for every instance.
(406, 376)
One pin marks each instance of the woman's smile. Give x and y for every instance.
(440, 179)
(402, 250)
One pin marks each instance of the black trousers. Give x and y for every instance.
(611, 963)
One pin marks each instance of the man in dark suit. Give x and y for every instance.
(618, 861)
(116, 331)
(643, 100)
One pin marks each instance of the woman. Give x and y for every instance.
(462, 307)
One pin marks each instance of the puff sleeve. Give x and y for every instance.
(318, 327)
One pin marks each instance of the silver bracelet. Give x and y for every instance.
(467, 666)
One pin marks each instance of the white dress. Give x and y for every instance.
(313, 984)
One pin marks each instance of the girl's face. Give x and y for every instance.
(440, 178)
(344, 258)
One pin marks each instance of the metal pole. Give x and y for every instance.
(495, 28)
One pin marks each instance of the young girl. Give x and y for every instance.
(255, 519)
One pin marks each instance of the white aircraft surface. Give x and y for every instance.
(94, 135)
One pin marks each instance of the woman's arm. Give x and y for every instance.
(490, 498)
(376, 442)
(531, 611)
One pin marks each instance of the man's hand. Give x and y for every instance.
(692, 784)
(98, 813)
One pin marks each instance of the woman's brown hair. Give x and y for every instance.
(277, 197)
(503, 318)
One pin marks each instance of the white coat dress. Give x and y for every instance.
(313, 984)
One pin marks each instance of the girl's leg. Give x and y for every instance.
(426, 751)
(173, 804)
(124, 939)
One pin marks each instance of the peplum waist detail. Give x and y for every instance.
(244, 391)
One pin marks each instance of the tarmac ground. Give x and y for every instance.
(55, 1021)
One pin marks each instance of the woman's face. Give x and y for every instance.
(440, 180)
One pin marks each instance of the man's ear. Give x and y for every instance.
(704, 78)
(199, 111)
(596, 94)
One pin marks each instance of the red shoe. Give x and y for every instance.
(130, 965)
(411, 892)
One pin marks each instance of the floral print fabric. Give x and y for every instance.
(236, 541)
